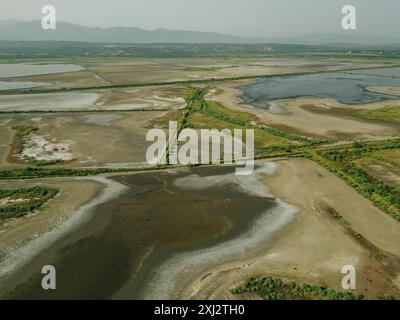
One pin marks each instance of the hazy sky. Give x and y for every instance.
(238, 17)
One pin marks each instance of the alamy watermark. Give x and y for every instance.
(349, 280)
(349, 20)
(204, 149)
(49, 280)
(49, 19)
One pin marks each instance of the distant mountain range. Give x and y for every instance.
(14, 30)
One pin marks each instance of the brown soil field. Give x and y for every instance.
(315, 246)
(94, 139)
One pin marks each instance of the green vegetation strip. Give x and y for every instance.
(82, 111)
(340, 162)
(19, 145)
(18, 202)
(22, 133)
(32, 173)
(391, 114)
(270, 288)
(197, 103)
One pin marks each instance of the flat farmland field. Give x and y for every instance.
(81, 139)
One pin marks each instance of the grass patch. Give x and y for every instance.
(42, 163)
(205, 69)
(383, 165)
(19, 202)
(270, 288)
(261, 138)
(163, 121)
(391, 114)
(218, 109)
(22, 133)
(36, 172)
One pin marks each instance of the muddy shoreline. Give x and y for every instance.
(116, 252)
